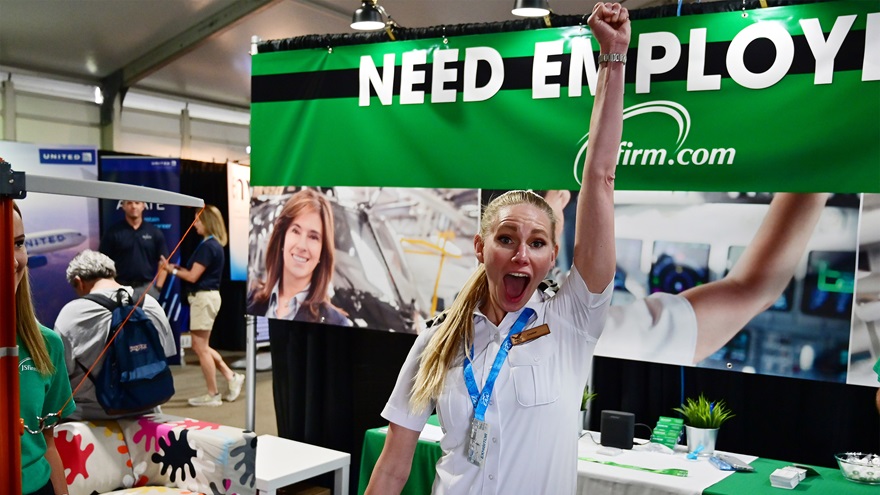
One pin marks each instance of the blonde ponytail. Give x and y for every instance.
(455, 334)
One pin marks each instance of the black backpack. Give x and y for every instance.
(135, 376)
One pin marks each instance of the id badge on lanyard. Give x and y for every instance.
(478, 443)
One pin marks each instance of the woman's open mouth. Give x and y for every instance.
(515, 285)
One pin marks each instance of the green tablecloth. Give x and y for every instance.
(421, 478)
(829, 481)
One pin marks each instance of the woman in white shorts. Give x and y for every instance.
(202, 276)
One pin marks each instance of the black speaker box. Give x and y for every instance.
(617, 429)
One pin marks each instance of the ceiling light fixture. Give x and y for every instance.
(369, 17)
(531, 8)
(373, 17)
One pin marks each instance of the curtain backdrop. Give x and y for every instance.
(330, 383)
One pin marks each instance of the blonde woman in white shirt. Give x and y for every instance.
(512, 430)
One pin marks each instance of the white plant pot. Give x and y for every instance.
(705, 437)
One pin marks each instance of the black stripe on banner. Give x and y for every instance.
(343, 83)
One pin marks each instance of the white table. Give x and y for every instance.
(602, 479)
(281, 462)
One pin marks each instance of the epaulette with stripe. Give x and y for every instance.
(548, 286)
(436, 320)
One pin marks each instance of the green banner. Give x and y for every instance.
(776, 99)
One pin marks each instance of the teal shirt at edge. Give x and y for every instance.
(40, 396)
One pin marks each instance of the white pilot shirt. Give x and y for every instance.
(534, 408)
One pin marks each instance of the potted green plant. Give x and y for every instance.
(588, 396)
(585, 399)
(702, 419)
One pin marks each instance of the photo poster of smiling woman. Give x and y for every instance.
(399, 255)
(670, 242)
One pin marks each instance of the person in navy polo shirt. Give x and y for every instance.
(202, 276)
(136, 247)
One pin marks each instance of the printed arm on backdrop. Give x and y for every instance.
(558, 199)
(757, 280)
(594, 255)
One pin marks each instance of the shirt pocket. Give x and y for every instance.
(533, 370)
(454, 409)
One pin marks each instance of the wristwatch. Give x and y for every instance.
(612, 57)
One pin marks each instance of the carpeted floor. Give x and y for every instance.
(189, 382)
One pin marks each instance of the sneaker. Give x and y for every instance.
(234, 387)
(206, 400)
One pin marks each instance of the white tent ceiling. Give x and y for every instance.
(198, 50)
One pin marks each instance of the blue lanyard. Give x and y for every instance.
(479, 399)
(206, 239)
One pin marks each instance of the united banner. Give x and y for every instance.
(404, 141)
(56, 227)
